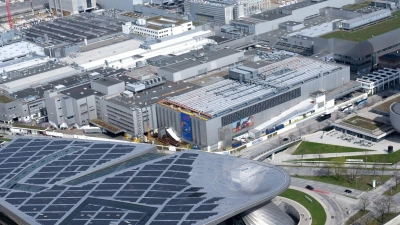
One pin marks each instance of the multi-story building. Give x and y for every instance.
(71, 106)
(69, 7)
(211, 116)
(157, 27)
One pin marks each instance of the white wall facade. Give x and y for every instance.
(130, 27)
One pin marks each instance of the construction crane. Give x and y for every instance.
(10, 22)
(33, 13)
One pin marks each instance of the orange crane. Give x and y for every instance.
(10, 22)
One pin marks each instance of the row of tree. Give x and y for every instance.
(381, 208)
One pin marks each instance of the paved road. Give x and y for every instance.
(309, 124)
(315, 171)
(339, 204)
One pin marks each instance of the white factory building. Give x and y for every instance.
(157, 27)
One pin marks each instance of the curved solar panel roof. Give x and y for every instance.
(55, 181)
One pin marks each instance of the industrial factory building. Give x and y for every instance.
(211, 116)
(157, 27)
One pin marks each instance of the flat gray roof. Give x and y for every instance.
(68, 181)
(68, 82)
(185, 61)
(157, 93)
(79, 92)
(107, 81)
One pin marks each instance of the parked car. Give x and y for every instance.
(285, 139)
(309, 187)
(348, 191)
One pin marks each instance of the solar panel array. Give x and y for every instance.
(83, 182)
(228, 94)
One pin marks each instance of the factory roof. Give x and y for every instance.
(107, 81)
(37, 91)
(81, 91)
(228, 95)
(18, 49)
(194, 58)
(368, 32)
(162, 22)
(291, 23)
(219, 39)
(268, 15)
(155, 94)
(74, 29)
(65, 181)
(315, 31)
(367, 15)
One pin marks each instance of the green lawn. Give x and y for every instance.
(387, 218)
(29, 127)
(5, 139)
(317, 148)
(317, 211)
(363, 183)
(358, 5)
(386, 105)
(356, 216)
(363, 122)
(367, 33)
(394, 190)
(381, 158)
(5, 99)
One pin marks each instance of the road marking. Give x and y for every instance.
(322, 192)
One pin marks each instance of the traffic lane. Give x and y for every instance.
(315, 171)
(325, 187)
(334, 210)
(301, 127)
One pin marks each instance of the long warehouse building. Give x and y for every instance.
(210, 117)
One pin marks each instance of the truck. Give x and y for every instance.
(91, 130)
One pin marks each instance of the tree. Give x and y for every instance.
(279, 140)
(301, 131)
(366, 220)
(380, 207)
(292, 136)
(374, 167)
(308, 129)
(334, 116)
(363, 203)
(396, 178)
(338, 166)
(319, 157)
(389, 203)
(383, 167)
